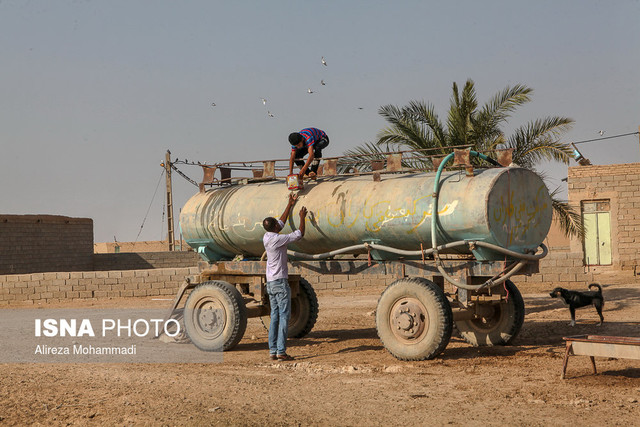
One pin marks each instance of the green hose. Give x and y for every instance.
(434, 240)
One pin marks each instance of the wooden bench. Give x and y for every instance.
(602, 346)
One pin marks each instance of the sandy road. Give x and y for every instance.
(344, 376)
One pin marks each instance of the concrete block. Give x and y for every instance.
(567, 277)
(328, 278)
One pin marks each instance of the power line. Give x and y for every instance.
(606, 137)
(149, 208)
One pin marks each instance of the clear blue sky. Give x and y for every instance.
(92, 93)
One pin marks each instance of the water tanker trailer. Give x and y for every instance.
(451, 238)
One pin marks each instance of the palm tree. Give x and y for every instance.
(417, 126)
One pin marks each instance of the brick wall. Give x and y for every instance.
(144, 260)
(144, 246)
(21, 289)
(38, 243)
(90, 285)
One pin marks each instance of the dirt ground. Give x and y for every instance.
(344, 376)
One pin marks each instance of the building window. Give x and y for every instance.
(597, 240)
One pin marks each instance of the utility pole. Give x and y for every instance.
(170, 236)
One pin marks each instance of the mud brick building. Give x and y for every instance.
(608, 198)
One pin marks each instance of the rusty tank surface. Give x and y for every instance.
(509, 207)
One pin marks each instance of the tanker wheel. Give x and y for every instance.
(304, 311)
(414, 319)
(499, 324)
(215, 316)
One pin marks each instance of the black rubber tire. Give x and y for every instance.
(215, 316)
(304, 312)
(502, 327)
(434, 315)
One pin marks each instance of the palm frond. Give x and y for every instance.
(403, 129)
(426, 114)
(495, 112)
(499, 107)
(539, 140)
(462, 109)
(570, 221)
(360, 158)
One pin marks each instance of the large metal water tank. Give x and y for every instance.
(509, 207)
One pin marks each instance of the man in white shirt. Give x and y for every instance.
(277, 278)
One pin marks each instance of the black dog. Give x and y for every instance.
(577, 299)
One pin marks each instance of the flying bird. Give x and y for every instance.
(360, 108)
(270, 114)
(264, 101)
(322, 82)
(213, 104)
(601, 132)
(309, 90)
(324, 62)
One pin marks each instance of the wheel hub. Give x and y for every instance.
(408, 319)
(488, 316)
(210, 318)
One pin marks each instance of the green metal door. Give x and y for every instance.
(597, 241)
